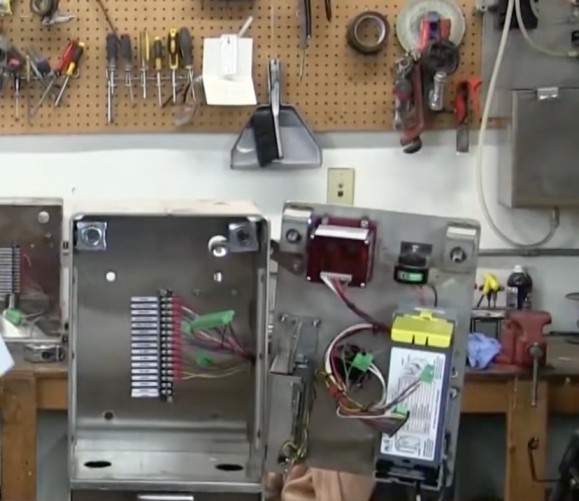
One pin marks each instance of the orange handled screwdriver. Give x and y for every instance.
(72, 67)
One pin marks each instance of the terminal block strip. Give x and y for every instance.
(155, 345)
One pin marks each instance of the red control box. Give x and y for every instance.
(341, 248)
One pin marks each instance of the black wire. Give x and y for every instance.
(434, 294)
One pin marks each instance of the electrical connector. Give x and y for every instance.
(211, 321)
(13, 316)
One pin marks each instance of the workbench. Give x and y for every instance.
(30, 388)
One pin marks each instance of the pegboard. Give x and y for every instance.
(340, 89)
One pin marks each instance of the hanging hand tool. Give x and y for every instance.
(48, 12)
(305, 15)
(127, 57)
(466, 109)
(15, 69)
(328, 9)
(28, 74)
(158, 57)
(72, 67)
(173, 55)
(186, 50)
(112, 42)
(39, 65)
(61, 67)
(144, 57)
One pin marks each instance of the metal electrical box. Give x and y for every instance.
(372, 315)
(537, 161)
(168, 350)
(30, 270)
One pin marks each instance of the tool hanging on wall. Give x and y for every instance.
(354, 33)
(410, 22)
(55, 74)
(70, 70)
(276, 135)
(144, 58)
(409, 103)
(112, 49)
(126, 50)
(305, 16)
(173, 60)
(158, 57)
(47, 11)
(5, 8)
(328, 9)
(466, 110)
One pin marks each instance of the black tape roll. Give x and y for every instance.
(379, 20)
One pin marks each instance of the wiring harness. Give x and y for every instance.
(386, 414)
(211, 348)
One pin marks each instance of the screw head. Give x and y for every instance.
(458, 255)
(293, 236)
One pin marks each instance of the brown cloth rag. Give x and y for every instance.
(312, 484)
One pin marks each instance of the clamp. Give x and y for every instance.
(466, 108)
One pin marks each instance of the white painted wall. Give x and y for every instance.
(435, 181)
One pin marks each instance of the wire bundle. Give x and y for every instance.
(380, 414)
(203, 348)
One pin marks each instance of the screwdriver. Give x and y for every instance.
(112, 42)
(73, 65)
(144, 57)
(186, 51)
(173, 54)
(63, 63)
(158, 56)
(127, 56)
(28, 81)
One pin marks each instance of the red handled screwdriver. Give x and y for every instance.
(72, 67)
(63, 63)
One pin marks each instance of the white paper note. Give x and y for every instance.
(228, 90)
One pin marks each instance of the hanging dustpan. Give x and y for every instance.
(291, 143)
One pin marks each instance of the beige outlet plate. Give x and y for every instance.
(341, 186)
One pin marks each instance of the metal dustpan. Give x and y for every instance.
(297, 145)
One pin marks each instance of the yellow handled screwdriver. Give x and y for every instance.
(144, 57)
(76, 57)
(158, 56)
(173, 54)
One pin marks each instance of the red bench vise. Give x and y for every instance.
(523, 339)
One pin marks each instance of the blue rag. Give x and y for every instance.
(482, 350)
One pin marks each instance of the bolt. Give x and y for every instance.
(293, 236)
(458, 255)
(453, 393)
(218, 277)
(43, 217)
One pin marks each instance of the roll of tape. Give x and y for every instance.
(363, 19)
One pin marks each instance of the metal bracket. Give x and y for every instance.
(90, 236)
(547, 93)
(482, 6)
(297, 344)
(459, 248)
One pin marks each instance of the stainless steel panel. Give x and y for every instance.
(525, 68)
(133, 496)
(36, 226)
(538, 166)
(209, 439)
(345, 444)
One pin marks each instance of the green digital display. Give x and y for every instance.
(414, 277)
